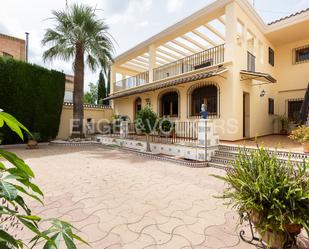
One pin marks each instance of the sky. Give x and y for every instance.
(130, 21)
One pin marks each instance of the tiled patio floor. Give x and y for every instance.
(272, 141)
(119, 200)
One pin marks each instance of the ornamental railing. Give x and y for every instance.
(204, 59)
(137, 80)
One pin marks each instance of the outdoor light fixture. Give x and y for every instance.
(263, 93)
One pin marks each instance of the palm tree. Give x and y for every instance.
(80, 35)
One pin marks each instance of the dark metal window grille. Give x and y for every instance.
(271, 56)
(271, 106)
(294, 109)
(301, 54)
(205, 95)
(170, 104)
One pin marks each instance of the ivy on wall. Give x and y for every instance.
(34, 95)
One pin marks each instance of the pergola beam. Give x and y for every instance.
(221, 20)
(135, 61)
(165, 58)
(139, 67)
(189, 39)
(215, 31)
(205, 37)
(176, 50)
(173, 56)
(136, 69)
(180, 44)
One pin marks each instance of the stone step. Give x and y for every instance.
(218, 165)
(227, 150)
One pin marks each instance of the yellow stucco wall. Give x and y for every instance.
(96, 114)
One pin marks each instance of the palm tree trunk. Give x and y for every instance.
(78, 93)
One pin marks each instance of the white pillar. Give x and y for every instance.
(152, 61)
(124, 129)
(230, 31)
(208, 141)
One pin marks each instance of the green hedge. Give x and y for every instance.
(32, 94)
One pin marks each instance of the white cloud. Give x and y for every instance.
(174, 5)
(134, 11)
(144, 23)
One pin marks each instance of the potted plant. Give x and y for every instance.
(301, 135)
(146, 122)
(273, 195)
(284, 124)
(33, 139)
(166, 128)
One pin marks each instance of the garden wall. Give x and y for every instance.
(95, 112)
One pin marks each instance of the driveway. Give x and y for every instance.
(120, 200)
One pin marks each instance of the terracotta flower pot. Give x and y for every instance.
(275, 240)
(306, 147)
(32, 144)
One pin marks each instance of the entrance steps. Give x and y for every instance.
(225, 156)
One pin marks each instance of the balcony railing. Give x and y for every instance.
(191, 63)
(204, 59)
(250, 62)
(137, 80)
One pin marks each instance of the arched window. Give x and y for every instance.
(204, 94)
(137, 106)
(169, 104)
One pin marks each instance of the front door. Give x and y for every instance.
(246, 115)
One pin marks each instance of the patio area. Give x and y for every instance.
(119, 200)
(279, 142)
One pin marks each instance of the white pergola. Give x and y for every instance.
(200, 38)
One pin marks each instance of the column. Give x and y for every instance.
(152, 61)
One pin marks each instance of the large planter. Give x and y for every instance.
(306, 147)
(275, 240)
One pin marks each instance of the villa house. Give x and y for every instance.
(226, 57)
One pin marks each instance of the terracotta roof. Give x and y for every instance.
(168, 83)
(287, 17)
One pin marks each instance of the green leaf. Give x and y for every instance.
(21, 189)
(17, 162)
(33, 228)
(4, 236)
(8, 190)
(29, 217)
(54, 242)
(69, 242)
(13, 124)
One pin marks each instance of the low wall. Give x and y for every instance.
(96, 113)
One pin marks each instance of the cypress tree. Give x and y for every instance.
(108, 88)
(101, 88)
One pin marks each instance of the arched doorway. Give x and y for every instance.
(137, 106)
(204, 94)
(169, 104)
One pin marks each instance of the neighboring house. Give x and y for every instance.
(12, 47)
(224, 56)
(69, 87)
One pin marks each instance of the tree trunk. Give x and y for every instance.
(147, 143)
(78, 93)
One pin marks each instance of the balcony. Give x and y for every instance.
(204, 59)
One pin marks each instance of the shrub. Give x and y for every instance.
(300, 134)
(34, 95)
